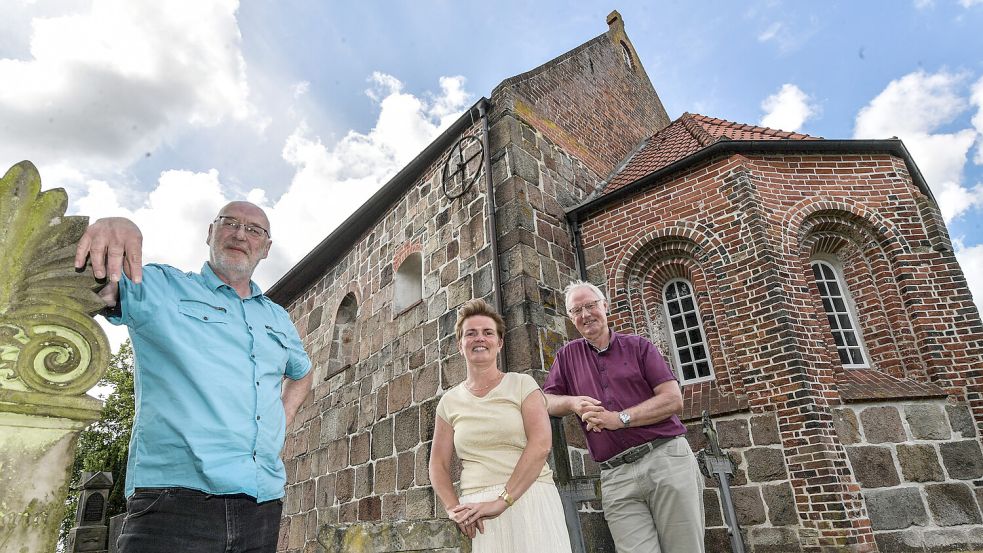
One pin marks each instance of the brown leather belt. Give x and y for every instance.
(634, 454)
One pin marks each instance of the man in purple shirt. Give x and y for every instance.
(627, 399)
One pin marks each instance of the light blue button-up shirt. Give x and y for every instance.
(208, 371)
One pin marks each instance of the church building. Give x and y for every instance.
(804, 290)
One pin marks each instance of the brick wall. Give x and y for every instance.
(743, 230)
(590, 102)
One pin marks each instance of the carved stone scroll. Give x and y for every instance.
(51, 353)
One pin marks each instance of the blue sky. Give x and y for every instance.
(163, 111)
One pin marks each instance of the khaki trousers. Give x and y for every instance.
(655, 505)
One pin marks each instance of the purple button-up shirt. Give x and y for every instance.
(621, 376)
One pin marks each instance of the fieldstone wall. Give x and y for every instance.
(920, 468)
(357, 455)
(358, 452)
(762, 493)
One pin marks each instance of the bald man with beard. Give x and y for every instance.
(220, 373)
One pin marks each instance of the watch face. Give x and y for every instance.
(624, 418)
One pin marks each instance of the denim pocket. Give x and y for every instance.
(142, 503)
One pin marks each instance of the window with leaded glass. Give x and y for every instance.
(842, 319)
(688, 339)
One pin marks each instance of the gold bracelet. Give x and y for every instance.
(506, 497)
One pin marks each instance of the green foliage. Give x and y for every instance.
(104, 445)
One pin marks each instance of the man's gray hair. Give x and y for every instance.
(569, 290)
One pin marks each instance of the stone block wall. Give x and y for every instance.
(920, 469)
(760, 488)
(535, 181)
(357, 455)
(358, 452)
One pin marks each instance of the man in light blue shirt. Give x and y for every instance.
(220, 372)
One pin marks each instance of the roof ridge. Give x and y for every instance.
(696, 130)
(768, 131)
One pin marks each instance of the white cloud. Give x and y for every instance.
(919, 102)
(970, 3)
(789, 35)
(971, 261)
(301, 88)
(173, 219)
(913, 108)
(329, 183)
(955, 200)
(114, 79)
(771, 32)
(977, 100)
(788, 109)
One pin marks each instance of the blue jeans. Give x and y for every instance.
(169, 520)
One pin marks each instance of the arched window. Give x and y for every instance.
(689, 344)
(342, 338)
(409, 282)
(626, 52)
(841, 315)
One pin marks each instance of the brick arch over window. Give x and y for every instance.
(643, 276)
(859, 250)
(696, 240)
(803, 216)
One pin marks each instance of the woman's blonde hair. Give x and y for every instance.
(474, 308)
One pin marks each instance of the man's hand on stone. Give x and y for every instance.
(113, 244)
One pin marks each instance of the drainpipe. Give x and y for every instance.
(492, 227)
(578, 246)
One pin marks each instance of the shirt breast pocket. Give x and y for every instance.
(279, 347)
(203, 312)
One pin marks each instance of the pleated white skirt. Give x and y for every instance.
(533, 524)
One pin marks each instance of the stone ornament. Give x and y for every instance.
(49, 343)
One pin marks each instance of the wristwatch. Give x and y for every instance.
(625, 418)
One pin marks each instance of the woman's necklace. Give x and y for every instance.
(477, 389)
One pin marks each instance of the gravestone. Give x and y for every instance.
(90, 531)
(51, 353)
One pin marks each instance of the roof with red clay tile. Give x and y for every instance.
(685, 136)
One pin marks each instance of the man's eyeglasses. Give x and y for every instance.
(589, 306)
(233, 225)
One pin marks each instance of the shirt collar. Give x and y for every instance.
(610, 341)
(214, 283)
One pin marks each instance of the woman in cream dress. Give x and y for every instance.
(498, 425)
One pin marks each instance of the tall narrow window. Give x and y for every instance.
(626, 53)
(409, 282)
(842, 319)
(342, 348)
(688, 339)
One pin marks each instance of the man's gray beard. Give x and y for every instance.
(235, 270)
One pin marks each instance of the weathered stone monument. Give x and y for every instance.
(51, 353)
(90, 531)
